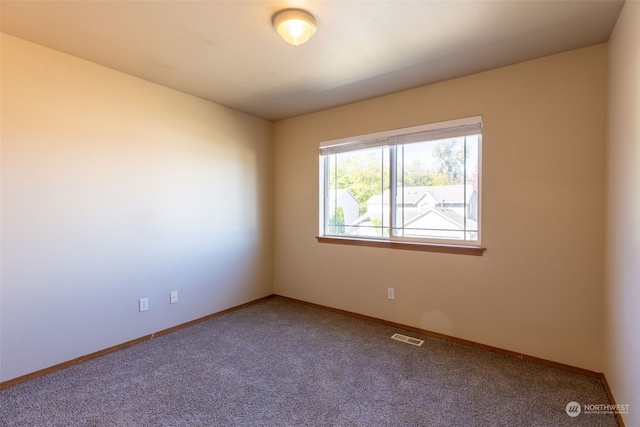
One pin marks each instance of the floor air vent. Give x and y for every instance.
(408, 340)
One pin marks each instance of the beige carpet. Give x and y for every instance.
(280, 363)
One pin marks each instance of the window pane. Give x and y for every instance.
(436, 194)
(357, 182)
(423, 184)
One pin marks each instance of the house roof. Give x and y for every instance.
(343, 191)
(450, 193)
(452, 216)
(437, 193)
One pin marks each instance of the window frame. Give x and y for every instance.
(394, 138)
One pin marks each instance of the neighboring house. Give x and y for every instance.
(429, 211)
(344, 199)
(440, 223)
(414, 200)
(366, 225)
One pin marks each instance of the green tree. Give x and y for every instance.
(336, 222)
(450, 157)
(363, 173)
(416, 175)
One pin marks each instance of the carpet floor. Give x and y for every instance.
(281, 363)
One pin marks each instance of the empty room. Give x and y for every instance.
(320, 213)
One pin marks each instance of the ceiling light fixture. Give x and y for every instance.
(295, 26)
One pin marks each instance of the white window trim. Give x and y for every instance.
(432, 131)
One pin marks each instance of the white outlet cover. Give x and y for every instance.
(143, 304)
(173, 297)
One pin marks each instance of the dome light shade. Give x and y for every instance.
(295, 26)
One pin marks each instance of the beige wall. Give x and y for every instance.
(538, 288)
(114, 189)
(622, 283)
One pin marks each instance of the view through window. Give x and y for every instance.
(420, 183)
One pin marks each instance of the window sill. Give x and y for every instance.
(411, 246)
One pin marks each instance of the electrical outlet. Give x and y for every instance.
(391, 293)
(173, 297)
(143, 304)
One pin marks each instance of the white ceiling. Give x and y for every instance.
(229, 53)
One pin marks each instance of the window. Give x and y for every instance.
(418, 184)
